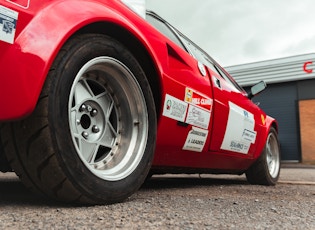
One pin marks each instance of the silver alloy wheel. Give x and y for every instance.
(108, 118)
(273, 155)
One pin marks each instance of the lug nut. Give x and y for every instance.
(85, 135)
(89, 108)
(95, 129)
(82, 108)
(94, 112)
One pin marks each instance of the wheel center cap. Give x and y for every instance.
(90, 121)
(85, 121)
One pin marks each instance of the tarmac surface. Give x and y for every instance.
(293, 173)
(175, 202)
(290, 174)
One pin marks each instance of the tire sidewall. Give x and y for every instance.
(270, 178)
(81, 52)
(258, 173)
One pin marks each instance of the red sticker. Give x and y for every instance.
(198, 99)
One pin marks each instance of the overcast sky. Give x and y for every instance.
(235, 32)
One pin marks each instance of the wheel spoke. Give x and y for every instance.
(271, 167)
(273, 156)
(269, 157)
(73, 121)
(110, 109)
(100, 96)
(107, 103)
(109, 137)
(269, 149)
(82, 91)
(89, 150)
(101, 117)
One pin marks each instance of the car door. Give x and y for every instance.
(236, 120)
(183, 128)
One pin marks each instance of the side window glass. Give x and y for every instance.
(164, 29)
(227, 79)
(197, 52)
(194, 51)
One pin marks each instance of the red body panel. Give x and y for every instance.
(41, 31)
(44, 27)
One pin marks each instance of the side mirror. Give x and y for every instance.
(256, 89)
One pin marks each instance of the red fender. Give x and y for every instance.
(26, 63)
(269, 122)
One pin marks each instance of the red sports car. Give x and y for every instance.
(96, 96)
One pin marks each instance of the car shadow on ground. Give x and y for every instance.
(178, 181)
(12, 191)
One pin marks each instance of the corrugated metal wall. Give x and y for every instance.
(273, 71)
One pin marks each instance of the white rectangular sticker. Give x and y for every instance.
(175, 108)
(198, 117)
(239, 133)
(249, 136)
(196, 139)
(8, 20)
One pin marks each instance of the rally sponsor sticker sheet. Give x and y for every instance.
(8, 20)
(196, 139)
(175, 108)
(239, 133)
(195, 110)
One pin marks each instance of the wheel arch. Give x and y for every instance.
(269, 122)
(136, 47)
(42, 39)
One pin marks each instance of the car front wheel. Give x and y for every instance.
(92, 136)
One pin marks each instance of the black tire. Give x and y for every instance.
(266, 170)
(91, 139)
(4, 164)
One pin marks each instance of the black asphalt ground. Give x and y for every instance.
(174, 202)
(294, 173)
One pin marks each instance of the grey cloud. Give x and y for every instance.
(242, 31)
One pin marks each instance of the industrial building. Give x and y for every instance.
(289, 97)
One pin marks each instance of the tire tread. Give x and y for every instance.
(37, 165)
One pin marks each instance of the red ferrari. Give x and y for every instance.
(97, 95)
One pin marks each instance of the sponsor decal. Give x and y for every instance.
(196, 139)
(198, 117)
(8, 20)
(239, 133)
(263, 119)
(198, 99)
(175, 108)
(237, 146)
(249, 136)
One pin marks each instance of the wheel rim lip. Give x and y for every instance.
(273, 155)
(131, 91)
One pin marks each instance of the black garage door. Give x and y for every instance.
(280, 102)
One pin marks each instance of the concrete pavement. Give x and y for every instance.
(297, 174)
